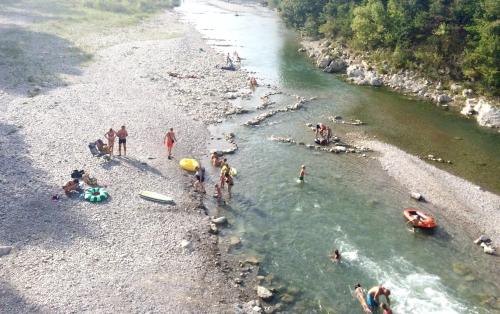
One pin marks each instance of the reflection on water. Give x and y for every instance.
(348, 202)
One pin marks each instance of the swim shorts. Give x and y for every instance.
(371, 301)
(122, 141)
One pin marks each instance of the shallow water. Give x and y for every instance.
(347, 202)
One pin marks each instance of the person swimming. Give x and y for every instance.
(359, 292)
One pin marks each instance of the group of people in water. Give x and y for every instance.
(323, 134)
(225, 178)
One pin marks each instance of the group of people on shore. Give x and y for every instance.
(111, 136)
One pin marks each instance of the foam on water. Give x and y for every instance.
(417, 291)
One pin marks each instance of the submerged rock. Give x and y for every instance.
(5, 250)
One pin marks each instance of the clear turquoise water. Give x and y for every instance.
(347, 202)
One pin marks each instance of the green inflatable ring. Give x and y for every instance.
(95, 195)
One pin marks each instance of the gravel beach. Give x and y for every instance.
(122, 255)
(462, 202)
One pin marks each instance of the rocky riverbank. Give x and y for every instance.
(125, 254)
(335, 58)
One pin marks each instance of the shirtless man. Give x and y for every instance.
(372, 297)
(359, 292)
(122, 139)
(169, 140)
(110, 136)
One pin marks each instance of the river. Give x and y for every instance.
(348, 202)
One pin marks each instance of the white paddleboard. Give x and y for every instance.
(156, 197)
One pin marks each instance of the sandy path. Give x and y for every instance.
(123, 255)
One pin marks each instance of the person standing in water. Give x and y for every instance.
(169, 140)
(122, 140)
(335, 257)
(110, 136)
(230, 183)
(302, 173)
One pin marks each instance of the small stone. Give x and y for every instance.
(253, 260)
(220, 220)
(264, 293)
(416, 196)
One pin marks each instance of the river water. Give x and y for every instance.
(348, 202)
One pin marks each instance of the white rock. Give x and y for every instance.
(442, 99)
(489, 250)
(340, 149)
(416, 196)
(264, 293)
(455, 88)
(219, 221)
(354, 71)
(468, 109)
(487, 114)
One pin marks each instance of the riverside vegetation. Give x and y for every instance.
(447, 40)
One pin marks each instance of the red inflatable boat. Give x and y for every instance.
(419, 219)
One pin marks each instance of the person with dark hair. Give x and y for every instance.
(122, 140)
(335, 257)
(200, 178)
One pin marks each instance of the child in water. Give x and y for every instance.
(302, 173)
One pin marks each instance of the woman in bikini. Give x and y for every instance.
(110, 136)
(169, 140)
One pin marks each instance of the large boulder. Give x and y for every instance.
(468, 109)
(336, 66)
(324, 61)
(487, 114)
(442, 99)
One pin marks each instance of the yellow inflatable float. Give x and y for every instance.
(188, 164)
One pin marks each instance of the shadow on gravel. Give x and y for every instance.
(10, 300)
(140, 165)
(31, 59)
(28, 216)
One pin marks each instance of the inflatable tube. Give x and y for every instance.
(188, 164)
(95, 195)
(424, 220)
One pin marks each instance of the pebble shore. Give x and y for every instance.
(126, 254)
